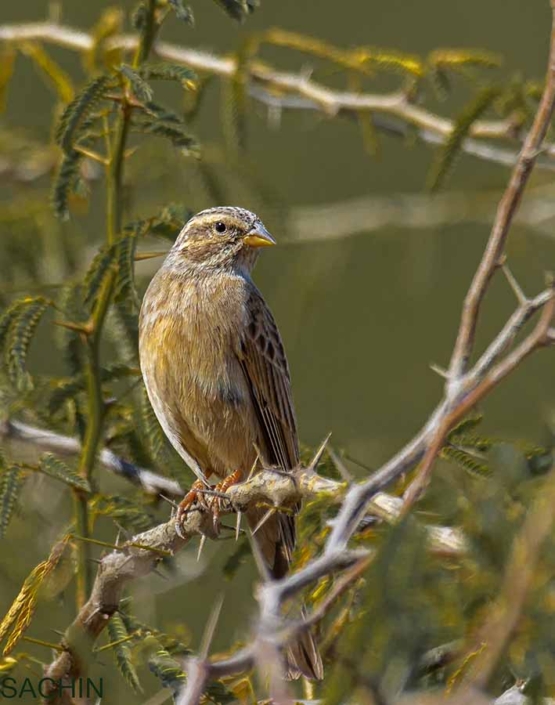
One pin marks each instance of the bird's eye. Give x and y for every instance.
(220, 227)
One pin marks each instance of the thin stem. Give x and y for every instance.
(95, 419)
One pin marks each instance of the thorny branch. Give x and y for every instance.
(465, 386)
(393, 113)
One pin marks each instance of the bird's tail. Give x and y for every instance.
(303, 659)
(276, 539)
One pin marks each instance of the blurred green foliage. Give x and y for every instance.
(409, 622)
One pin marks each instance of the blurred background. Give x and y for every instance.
(367, 281)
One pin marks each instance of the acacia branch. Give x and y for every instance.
(282, 90)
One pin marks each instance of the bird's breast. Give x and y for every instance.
(190, 336)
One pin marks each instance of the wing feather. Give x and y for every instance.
(266, 371)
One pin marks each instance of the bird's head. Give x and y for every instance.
(221, 238)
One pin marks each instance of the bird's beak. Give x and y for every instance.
(259, 237)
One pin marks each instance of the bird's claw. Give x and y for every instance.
(194, 495)
(198, 495)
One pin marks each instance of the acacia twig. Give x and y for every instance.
(393, 112)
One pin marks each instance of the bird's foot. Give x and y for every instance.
(217, 502)
(194, 495)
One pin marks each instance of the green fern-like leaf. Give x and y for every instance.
(466, 460)
(166, 669)
(139, 86)
(125, 280)
(65, 182)
(455, 59)
(11, 483)
(64, 390)
(465, 426)
(160, 121)
(169, 72)
(81, 106)
(54, 467)
(167, 223)
(104, 262)
(7, 318)
(130, 514)
(117, 633)
(21, 333)
(452, 147)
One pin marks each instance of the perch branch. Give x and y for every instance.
(130, 562)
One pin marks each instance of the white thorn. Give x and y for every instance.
(442, 372)
(319, 453)
(340, 466)
(238, 526)
(211, 627)
(515, 286)
(264, 519)
(253, 468)
(201, 546)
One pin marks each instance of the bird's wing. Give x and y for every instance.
(264, 364)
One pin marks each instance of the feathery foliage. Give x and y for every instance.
(119, 640)
(20, 334)
(56, 468)
(72, 119)
(20, 614)
(11, 483)
(452, 147)
(156, 120)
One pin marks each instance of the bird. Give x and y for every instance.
(217, 377)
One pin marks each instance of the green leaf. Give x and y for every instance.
(167, 223)
(54, 467)
(125, 280)
(157, 120)
(130, 514)
(21, 333)
(117, 632)
(104, 262)
(64, 390)
(11, 482)
(169, 72)
(139, 86)
(463, 124)
(465, 426)
(65, 182)
(7, 318)
(466, 460)
(167, 670)
(72, 118)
